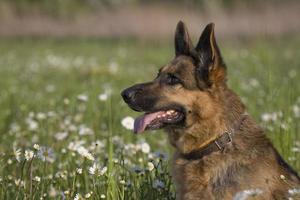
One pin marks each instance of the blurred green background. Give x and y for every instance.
(146, 19)
(74, 7)
(63, 64)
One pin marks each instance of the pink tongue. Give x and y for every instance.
(141, 122)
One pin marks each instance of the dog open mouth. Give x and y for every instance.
(157, 120)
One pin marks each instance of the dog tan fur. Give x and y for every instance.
(210, 109)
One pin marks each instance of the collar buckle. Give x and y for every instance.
(229, 134)
(221, 144)
(218, 145)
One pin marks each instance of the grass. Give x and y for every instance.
(63, 95)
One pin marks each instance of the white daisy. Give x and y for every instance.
(79, 170)
(17, 153)
(36, 147)
(37, 179)
(128, 122)
(28, 154)
(87, 195)
(61, 135)
(97, 170)
(32, 124)
(296, 111)
(243, 195)
(150, 166)
(41, 116)
(84, 130)
(85, 153)
(266, 117)
(103, 97)
(83, 97)
(77, 197)
(143, 146)
(113, 67)
(294, 191)
(52, 192)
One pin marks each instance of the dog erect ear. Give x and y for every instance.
(183, 43)
(211, 69)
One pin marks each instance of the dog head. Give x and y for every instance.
(186, 91)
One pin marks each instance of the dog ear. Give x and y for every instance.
(183, 43)
(211, 69)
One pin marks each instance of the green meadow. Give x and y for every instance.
(65, 132)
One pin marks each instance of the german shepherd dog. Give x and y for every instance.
(220, 151)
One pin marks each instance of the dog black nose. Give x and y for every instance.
(128, 95)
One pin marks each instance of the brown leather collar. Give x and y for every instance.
(218, 144)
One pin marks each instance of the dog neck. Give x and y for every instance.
(219, 144)
(191, 141)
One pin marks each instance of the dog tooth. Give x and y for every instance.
(159, 116)
(171, 111)
(164, 115)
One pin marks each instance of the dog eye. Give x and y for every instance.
(173, 80)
